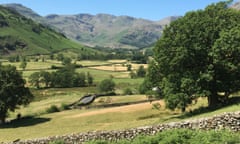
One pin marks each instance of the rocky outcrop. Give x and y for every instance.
(230, 121)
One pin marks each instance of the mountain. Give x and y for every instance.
(236, 5)
(102, 29)
(107, 30)
(20, 35)
(27, 12)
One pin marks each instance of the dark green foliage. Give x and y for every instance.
(60, 57)
(40, 79)
(64, 107)
(14, 58)
(13, 92)
(57, 142)
(182, 136)
(3, 22)
(64, 77)
(145, 87)
(10, 43)
(66, 61)
(52, 109)
(198, 55)
(79, 79)
(139, 38)
(23, 64)
(141, 72)
(139, 57)
(127, 91)
(89, 79)
(132, 75)
(226, 61)
(106, 85)
(36, 29)
(129, 67)
(151, 80)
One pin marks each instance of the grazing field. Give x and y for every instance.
(82, 120)
(99, 72)
(36, 122)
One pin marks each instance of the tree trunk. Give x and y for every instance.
(2, 120)
(3, 115)
(183, 109)
(212, 101)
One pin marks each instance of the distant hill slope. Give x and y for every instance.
(102, 29)
(20, 35)
(236, 5)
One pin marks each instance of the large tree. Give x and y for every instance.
(13, 92)
(194, 59)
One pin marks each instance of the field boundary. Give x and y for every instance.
(228, 121)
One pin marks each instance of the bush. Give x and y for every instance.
(107, 85)
(55, 67)
(127, 91)
(182, 136)
(52, 109)
(64, 107)
(57, 142)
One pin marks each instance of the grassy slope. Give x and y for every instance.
(74, 121)
(42, 42)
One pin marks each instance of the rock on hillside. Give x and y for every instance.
(102, 29)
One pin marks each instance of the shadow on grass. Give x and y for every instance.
(25, 122)
(202, 110)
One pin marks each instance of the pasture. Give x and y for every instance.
(37, 123)
(83, 120)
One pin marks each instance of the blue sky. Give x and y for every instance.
(147, 9)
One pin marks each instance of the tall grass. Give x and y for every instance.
(181, 136)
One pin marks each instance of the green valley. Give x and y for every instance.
(22, 36)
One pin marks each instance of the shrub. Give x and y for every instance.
(181, 136)
(156, 106)
(52, 109)
(127, 91)
(64, 107)
(57, 142)
(107, 85)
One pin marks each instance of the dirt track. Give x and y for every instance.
(123, 109)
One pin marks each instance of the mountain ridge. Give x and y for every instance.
(22, 36)
(103, 30)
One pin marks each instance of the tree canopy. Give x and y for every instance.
(65, 77)
(13, 92)
(198, 55)
(106, 85)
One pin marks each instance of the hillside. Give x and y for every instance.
(22, 36)
(236, 5)
(102, 29)
(108, 30)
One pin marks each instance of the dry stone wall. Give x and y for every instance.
(229, 121)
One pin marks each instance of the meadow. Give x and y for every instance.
(37, 123)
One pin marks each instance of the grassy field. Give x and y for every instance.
(97, 72)
(39, 124)
(82, 120)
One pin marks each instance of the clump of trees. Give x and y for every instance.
(65, 77)
(198, 56)
(106, 85)
(140, 72)
(13, 92)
